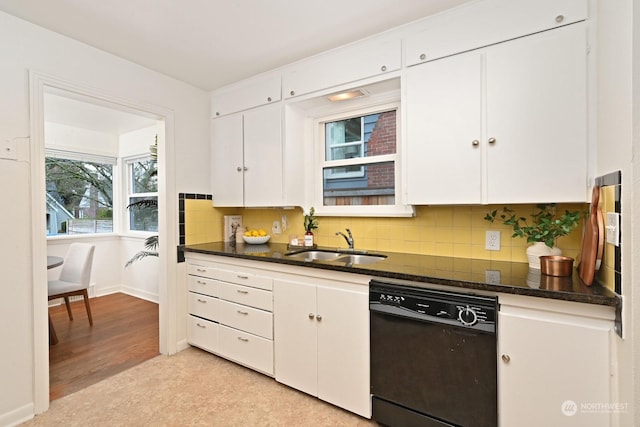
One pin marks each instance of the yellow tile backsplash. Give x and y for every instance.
(452, 231)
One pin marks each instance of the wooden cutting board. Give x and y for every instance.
(592, 241)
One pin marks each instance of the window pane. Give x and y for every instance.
(365, 136)
(375, 186)
(143, 213)
(145, 177)
(79, 196)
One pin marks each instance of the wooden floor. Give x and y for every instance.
(124, 334)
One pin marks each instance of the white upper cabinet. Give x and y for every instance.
(503, 124)
(341, 66)
(488, 22)
(249, 94)
(246, 151)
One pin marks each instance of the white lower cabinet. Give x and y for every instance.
(321, 336)
(230, 313)
(554, 365)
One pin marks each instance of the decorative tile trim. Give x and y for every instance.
(181, 218)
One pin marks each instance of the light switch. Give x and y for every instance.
(613, 228)
(9, 149)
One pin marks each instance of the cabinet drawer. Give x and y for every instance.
(203, 306)
(246, 279)
(247, 349)
(247, 319)
(258, 298)
(202, 333)
(203, 285)
(202, 271)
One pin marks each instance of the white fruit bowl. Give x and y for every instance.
(256, 240)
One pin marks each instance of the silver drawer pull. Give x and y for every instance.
(202, 270)
(202, 300)
(201, 282)
(242, 277)
(240, 291)
(244, 313)
(243, 339)
(200, 326)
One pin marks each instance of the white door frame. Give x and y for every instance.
(167, 223)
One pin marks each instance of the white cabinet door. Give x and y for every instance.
(536, 112)
(557, 370)
(295, 335)
(484, 23)
(246, 153)
(505, 124)
(263, 156)
(227, 161)
(444, 123)
(248, 94)
(343, 348)
(343, 65)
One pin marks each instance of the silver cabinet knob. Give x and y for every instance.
(245, 168)
(318, 317)
(217, 113)
(475, 142)
(239, 169)
(292, 93)
(311, 316)
(383, 68)
(492, 140)
(505, 358)
(423, 56)
(559, 18)
(268, 99)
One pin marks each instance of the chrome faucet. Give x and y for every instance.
(348, 239)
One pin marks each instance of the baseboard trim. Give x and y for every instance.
(17, 416)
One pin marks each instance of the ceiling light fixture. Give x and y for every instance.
(343, 96)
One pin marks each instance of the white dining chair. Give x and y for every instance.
(75, 276)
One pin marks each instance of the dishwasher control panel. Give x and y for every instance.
(471, 311)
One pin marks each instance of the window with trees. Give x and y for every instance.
(79, 193)
(142, 178)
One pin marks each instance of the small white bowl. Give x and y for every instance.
(256, 240)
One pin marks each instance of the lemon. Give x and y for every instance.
(261, 232)
(247, 233)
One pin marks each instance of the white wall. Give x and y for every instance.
(63, 137)
(614, 50)
(25, 47)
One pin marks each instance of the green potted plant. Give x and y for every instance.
(310, 224)
(543, 230)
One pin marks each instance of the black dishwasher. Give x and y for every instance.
(433, 357)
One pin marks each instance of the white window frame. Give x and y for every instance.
(357, 109)
(359, 144)
(127, 172)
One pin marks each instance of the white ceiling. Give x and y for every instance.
(211, 43)
(68, 111)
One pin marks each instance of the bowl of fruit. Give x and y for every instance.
(255, 237)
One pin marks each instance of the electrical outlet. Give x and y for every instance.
(276, 227)
(492, 277)
(492, 241)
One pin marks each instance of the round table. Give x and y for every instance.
(52, 262)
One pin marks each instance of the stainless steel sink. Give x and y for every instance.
(336, 256)
(313, 255)
(359, 258)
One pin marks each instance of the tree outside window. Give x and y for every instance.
(79, 196)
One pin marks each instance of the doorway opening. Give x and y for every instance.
(152, 281)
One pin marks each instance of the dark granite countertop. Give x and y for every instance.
(514, 278)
